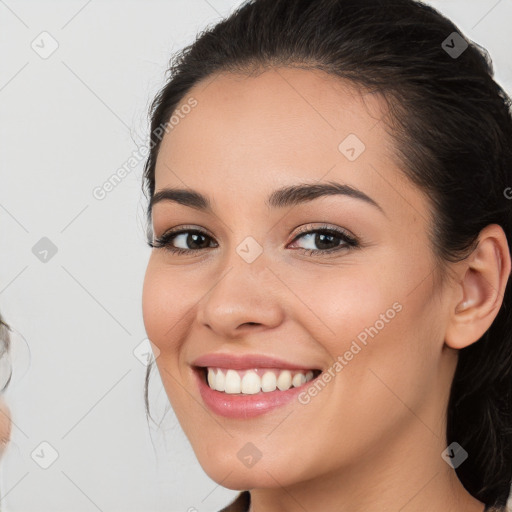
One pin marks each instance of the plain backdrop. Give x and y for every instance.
(72, 265)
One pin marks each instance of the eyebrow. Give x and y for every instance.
(280, 198)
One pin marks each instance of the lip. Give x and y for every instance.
(244, 406)
(240, 406)
(246, 362)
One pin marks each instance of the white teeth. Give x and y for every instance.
(251, 382)
(233, 382)
(268, 382)
(220, 381)
(284, 381)
(211, 378)
(298, 380)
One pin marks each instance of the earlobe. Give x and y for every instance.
(484, 278)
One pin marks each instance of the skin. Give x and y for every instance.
(5, 425)
(372, 439)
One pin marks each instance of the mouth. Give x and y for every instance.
(245, 393)
(255, 380)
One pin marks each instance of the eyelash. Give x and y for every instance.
(349, 242)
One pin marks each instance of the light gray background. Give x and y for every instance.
(67, 123)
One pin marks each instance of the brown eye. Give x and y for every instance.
(192, 240)
(327, 240)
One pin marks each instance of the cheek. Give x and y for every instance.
(164, 309)
(345, 303)
(371, 317)
(164, 306)
(152, 293)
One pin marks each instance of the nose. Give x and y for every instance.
(247, 296)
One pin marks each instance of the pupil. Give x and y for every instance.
(194, 236)
(319, 240)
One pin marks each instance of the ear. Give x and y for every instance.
(479, 293)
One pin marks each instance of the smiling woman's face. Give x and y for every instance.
(252, 295)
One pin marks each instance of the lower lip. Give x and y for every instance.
(244, 406)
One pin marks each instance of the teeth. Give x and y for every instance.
(268, 382)
(298, 380)
(211, 378)
(284, 381)
(233, 382)
(250, 382)
(220, 381)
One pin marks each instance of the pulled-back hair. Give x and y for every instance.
(452, 127)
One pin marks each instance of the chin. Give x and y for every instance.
(243, 479)
(229, 471)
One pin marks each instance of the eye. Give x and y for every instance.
(193, 240)
(328, 240)
(189, 238)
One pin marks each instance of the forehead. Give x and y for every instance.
(273, 112)
(248, 135)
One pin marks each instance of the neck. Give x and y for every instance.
(406, 473)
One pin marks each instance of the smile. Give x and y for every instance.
(245, 386)
(258, 380)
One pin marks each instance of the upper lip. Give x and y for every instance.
(245, 362)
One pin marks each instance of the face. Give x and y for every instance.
(360, 318)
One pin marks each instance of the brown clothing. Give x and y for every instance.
(241, 503)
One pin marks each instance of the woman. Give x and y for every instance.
(329, 285)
